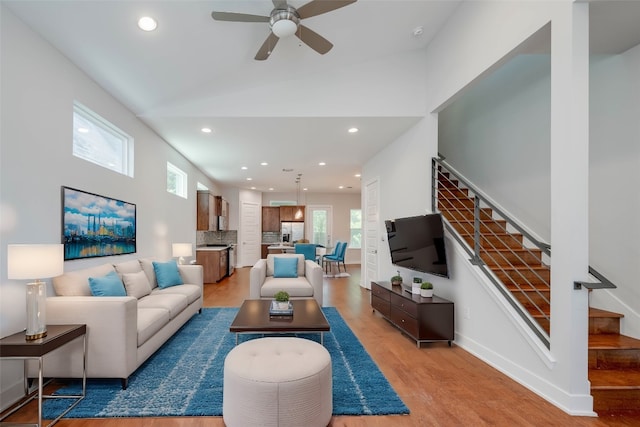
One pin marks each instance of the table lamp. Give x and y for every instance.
(182, 250)
(35, 261)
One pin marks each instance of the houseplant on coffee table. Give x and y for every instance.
(282, 298)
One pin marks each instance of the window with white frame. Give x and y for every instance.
(355, 226)
(176, 181)
(100, 142)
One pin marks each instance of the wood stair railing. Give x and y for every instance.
(614, 359)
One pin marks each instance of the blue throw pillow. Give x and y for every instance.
(167, 274)
(285, 267)
(107, 286)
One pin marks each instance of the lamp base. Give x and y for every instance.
(36, 310)
(34, 337)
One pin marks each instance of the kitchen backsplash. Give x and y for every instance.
(216, 237)
(270, 237)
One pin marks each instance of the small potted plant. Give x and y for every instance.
(415, 287)
(282, 298)
(397, 279)
(426, 290)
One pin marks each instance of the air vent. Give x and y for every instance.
(287, 170)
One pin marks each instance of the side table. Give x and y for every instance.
(17, 347)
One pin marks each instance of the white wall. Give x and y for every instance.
(614, 176)
(477, 39)
(38, 87)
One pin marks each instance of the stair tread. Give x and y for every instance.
(596, 312)
(612, 341)
(614, 379)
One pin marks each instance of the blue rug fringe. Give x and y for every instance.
(185, 376)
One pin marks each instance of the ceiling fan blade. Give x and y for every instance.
(238, 17)
(267, 47)
(280, 4)
(314, 40)
(318, 7)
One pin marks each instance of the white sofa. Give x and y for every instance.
(308, 284)
(122, 331)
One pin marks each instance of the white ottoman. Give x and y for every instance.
(279, 381)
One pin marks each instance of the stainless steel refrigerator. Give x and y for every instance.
(292, 231)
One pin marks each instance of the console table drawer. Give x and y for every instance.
(404, 304)
(404, 321)
(382, 306)
(380, 292)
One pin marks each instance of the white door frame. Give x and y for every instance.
(371, 221)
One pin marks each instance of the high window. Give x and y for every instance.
(355, 225)
(98, 141)
(176, 181)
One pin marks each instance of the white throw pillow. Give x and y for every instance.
(136, 284)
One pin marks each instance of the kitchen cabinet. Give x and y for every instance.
(207, 218)
(222, 210)
(214, 264)
(264, 250)
(271, 219)
(288, 213)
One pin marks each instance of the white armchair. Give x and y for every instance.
(308, 284)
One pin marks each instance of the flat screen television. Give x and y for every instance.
(417, 243)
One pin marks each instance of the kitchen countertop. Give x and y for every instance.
(213, 248)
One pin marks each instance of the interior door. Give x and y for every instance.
(319, 223)
(371, 232)
(250, 233)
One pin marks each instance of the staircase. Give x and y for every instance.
(614, 365)
(614, 359)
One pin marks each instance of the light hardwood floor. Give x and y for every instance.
(442, 386)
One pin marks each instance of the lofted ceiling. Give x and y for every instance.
(194, 72)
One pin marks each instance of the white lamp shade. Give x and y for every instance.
(182, 249)
(34, 261)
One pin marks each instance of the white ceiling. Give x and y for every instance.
(193, 72)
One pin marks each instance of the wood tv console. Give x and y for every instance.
(423, 319)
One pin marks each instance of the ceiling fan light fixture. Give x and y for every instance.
(284, 23)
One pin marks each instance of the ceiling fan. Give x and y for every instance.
(284, 21)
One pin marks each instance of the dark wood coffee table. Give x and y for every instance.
(253, 317)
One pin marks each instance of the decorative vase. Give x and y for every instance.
(283, 305)
(426, 293)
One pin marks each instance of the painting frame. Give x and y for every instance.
(96, 226)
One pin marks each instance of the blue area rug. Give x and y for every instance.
(184, 377)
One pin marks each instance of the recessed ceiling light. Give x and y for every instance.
(206, 130)
(270, 188)
(305, 189)
(244, 168)
(357, 175)
(249, 179)
(253, 188)
(146, 23)
(417, 31)
(341, 187)
(83, 130)
(353, 130)
(321, 164)
(264, 164)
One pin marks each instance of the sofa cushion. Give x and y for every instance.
(125, 267)
(150, 321)
(147, 267)
(109, 285)
(192, 292)
(174, 303)
(298, 287)
(270, 262)
(76, 283)
(136, 284)
(285, 267)
(167, 274)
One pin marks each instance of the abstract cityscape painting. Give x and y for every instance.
(96, 226)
